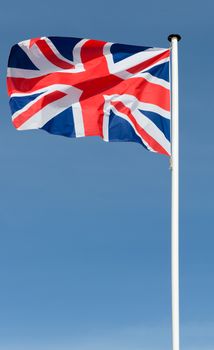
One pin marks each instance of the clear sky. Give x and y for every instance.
(84, 224)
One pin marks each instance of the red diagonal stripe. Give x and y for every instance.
(51, 56)
(36, 107)
(145, 136)
(146, 64)
(33, 41)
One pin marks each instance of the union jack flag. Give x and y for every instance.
(79, 87)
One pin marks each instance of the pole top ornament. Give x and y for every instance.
(174, 36)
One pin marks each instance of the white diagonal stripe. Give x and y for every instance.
(131, 61)
(37, 57)
(124, 116)
(44, 65)
(79, 67)
(52, 109)
(146, 123)
(55, 87)
(133, 103)
(54, 49)
(152, 79)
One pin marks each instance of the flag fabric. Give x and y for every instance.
(80, 87)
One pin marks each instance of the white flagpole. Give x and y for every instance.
(174, 38)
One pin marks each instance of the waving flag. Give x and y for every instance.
(80, 87)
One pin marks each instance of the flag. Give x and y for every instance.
(80, 87)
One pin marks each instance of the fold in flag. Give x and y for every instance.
(79, 87)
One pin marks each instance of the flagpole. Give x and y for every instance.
(174, 38)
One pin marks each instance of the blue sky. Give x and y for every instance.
(85, 225)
